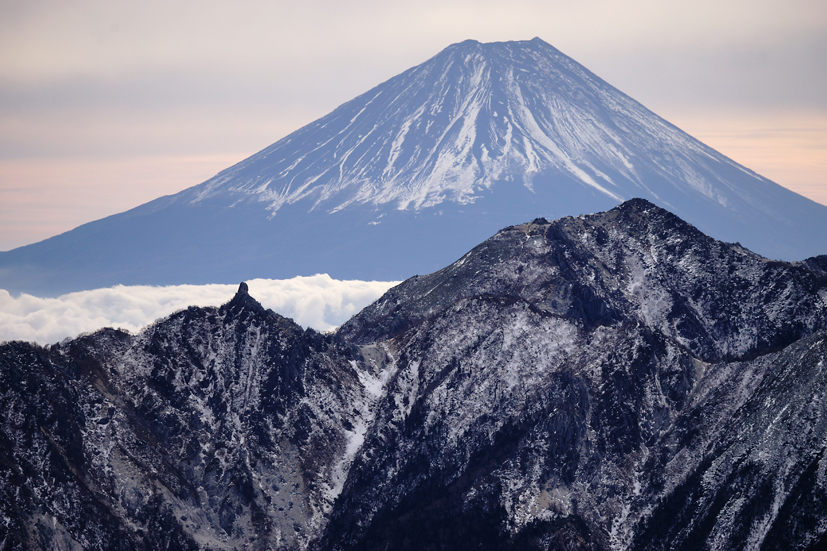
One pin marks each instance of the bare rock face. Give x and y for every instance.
(213, 429)
(583, 384)
(611, 381)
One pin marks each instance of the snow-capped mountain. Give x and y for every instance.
(613, 381)
(407, 176)
(478, 115)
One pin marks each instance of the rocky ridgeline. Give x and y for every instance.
(611, 381)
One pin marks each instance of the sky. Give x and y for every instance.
(106, 105)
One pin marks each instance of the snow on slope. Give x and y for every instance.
(408, 176)
(472, 116)
(613, 381)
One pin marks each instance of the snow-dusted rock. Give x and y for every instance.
(611, 381)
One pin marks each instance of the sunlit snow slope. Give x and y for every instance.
(405, 177)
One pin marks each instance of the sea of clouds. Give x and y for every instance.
(318, 301)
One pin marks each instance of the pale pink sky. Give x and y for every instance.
(104, 106)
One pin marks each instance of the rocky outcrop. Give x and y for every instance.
(216, 428)
(611, 381)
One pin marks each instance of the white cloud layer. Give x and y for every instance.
(316, 301)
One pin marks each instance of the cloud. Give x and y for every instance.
(316, 301)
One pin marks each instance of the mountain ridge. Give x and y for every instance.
(611, 381)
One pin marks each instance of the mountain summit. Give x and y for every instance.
(405, 177)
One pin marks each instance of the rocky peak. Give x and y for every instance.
(635, 263)
(616, 381)
(242, 301)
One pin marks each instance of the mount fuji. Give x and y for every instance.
(406, 177)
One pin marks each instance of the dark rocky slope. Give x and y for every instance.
(611, 381)
(213, 429)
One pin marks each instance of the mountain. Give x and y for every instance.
(610, 381)
(406, 177)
